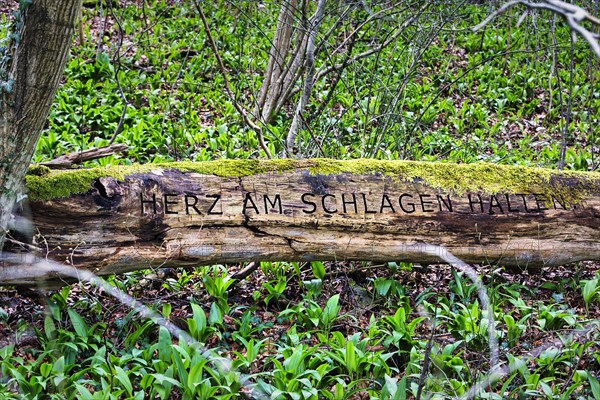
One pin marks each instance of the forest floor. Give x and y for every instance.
(22, 311)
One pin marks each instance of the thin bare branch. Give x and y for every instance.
(391, 39)
(502, 370)
(573, 14)
(117, 62)
(246, 272)
(256, 128)
(46, 267)
(442, 253)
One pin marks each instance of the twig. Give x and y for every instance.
(117, 62)
(22, 245)
(565, 131)
(46, 268)
(443, 254)
(123, 113)
(243, 113)
(426, 358)
(391, 39)
(313, 136)
(573, 14)
(592, 76)
(67, 160)
(80, 26)
(500, 371)
(448, 84)
(246, 272)
(325, 103)
(100, 36)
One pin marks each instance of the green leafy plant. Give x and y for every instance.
(591, 292)
(551, 317)
(217, 282)
(310, 313)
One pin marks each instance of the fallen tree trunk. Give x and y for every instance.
(186, 214)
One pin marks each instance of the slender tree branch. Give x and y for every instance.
(336, 80)
(42, 266)
(565, 130)
(117, 62)
(80, 26)
(227, 85)
(502, 370)
(246, 271)
(314, 137)
(443, 253)
(290, 75)
(573, 14)
(338, 67)
(427, 355)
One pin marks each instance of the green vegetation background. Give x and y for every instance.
(500, 96)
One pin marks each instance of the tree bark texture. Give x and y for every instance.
(189, 214)
(286, 59)
(37, 65)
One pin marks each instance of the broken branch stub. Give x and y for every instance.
(188, 214)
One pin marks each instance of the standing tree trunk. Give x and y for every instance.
(285, 60)
(29, 83)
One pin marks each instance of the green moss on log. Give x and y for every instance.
(458, 178)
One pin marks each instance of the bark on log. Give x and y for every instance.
(187, 214)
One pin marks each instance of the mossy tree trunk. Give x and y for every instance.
(29, 83)
(188, 214)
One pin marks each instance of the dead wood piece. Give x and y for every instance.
(67, 160)
(246, 271)
(189, 214)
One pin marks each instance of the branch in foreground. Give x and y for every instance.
(45, 268)
(222, 364)
(502, 370)
(574, 15)
(447, 257)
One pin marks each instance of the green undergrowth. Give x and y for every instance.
(295, 331)
(500, 96)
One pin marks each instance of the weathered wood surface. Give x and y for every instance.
(67, 160)
(202, 213)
